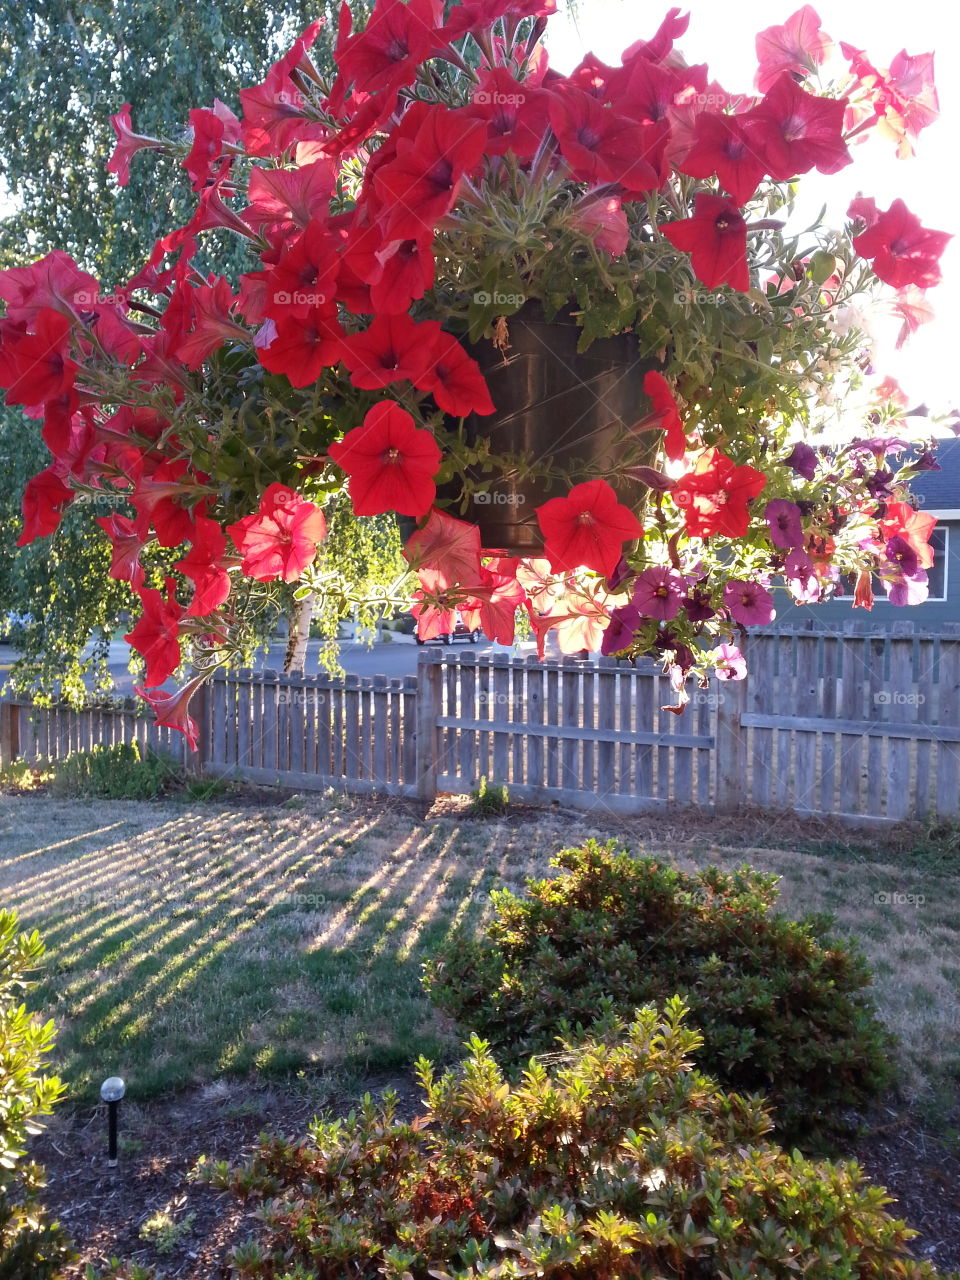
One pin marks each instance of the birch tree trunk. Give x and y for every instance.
(300, 619)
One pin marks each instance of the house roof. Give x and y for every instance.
(940, 490)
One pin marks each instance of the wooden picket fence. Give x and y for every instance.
(860, 727)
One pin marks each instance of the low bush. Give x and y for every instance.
(488, 800)
(31, 1246)
(783, 1007)
(119, 772)
(619, 1162)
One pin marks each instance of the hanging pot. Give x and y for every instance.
(553, 402)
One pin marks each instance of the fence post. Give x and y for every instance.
(195, 760)
(429, 689)
(9, 732)
(731, 745)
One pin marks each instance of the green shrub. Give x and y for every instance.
(490, 799)
(620, 1162)
(120, 772)
(31, 1247)
(783, 1007)
(20, 775)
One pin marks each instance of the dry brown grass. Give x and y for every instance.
(191, 939)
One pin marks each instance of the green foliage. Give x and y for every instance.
(783, 1007)
(117, 1270)
(31, 1247)
(64, 69)
(120, 772)
(489, 800)
(619, 1162)
(19, 775)
(164, 1232)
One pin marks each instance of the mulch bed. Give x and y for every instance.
(104, 1209)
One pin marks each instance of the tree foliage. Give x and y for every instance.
(65, 67)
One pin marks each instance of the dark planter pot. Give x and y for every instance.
(552, 403)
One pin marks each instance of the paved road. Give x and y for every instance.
(394, 658)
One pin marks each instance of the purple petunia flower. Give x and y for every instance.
(902, 555)
(624, 622)
(905, 591)
(803, 460)
(658, 593)
(880, 484)
(801, 576)
(927, 462)
(749, 603)
(786, 530)
(620, 576)
(699, 605)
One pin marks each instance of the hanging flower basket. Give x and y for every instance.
(567, 410)
(565, 326)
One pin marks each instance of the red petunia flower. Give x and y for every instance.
(281, 538)
(52, 281)
(903, 252)
(448, 547)
(284, 200)
(453, 377)
(393, 349)
(273, 115)
(601, 145)
(493, 609)
(723, 146)
(36, 366)
(304, 346)
(304, 278)
(45, 499)
(514, 111)
(213, 323)
(419, 186)
(901, 101)
(212, 130)
(127, 539)
(602, 218)
(387, 54)
(661, 46)
(715, 494)
(157, 635)
(204, 567)
(172, 709)
(128, 144)
(796, 131)
(716, 239)
(797, 46)
(665, 406)
(404, 271)
(476, 15)
(587, 528)
(434, 608)
(158, 500)
(391, 463)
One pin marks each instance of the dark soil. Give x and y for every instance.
(104, 1209)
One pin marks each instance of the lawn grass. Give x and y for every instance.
(192, 940)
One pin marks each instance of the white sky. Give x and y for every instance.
(722, 35)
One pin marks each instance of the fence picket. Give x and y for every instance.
(948, 753)
(806, 691)
(534, 717)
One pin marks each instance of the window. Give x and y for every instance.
(936, 574)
